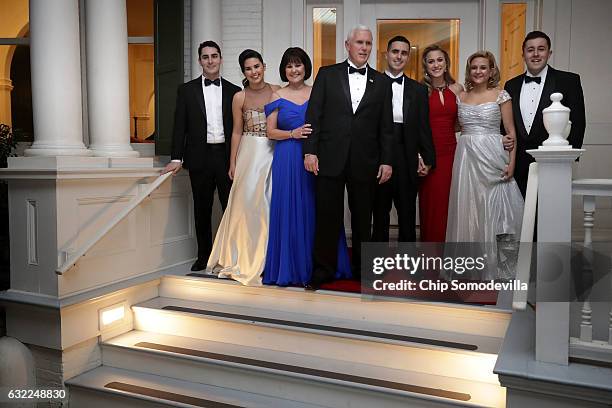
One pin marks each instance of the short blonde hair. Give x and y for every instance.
(493, 80)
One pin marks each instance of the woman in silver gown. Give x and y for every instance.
(485, 205)
(239, 250)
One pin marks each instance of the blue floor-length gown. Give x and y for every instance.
(292, 208)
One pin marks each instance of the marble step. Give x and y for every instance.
(454, 322)
(106, 386)
(221, 322)
(352, 378)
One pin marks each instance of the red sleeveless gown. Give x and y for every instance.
(435, 187)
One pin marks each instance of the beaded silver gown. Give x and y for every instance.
(484, 207)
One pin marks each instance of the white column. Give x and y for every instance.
(56, 79)
(205, 25)
(554, 226)
(108, 81)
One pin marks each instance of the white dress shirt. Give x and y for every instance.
(398, 98)
(530, 98)
(214, 113)
(357, 84)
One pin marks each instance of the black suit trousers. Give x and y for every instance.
(330, 215)
(401, 190)
(203, 183)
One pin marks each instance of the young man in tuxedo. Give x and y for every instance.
(531, 92)
(412, 137)
(350, 145)
(201, 141)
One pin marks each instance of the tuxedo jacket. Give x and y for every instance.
(416, 128)
(189, 136)
(340, 138)
(569, 85)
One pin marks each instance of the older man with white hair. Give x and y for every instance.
(351, 116)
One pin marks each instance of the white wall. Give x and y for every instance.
(580, 31)
(276, 35)
(242, 28)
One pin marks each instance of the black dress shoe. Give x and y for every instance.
(311, 287)
(198, 265)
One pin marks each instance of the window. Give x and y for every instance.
(15, 83)
(324, 37)
(141, 64)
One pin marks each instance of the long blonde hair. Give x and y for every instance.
(447, 76)
(493, 81)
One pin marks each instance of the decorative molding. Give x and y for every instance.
(595, 351)
(32, 231)
(77, 174)
(188, 212)
(573, 391)
(6, 84)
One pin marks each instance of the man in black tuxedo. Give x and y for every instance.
(350, 145)
(201, 141)
(531, 94)
(412, 137)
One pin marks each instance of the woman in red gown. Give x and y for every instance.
(435, 187)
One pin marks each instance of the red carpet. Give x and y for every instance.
(472, 297)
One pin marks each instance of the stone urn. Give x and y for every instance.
(557, 123)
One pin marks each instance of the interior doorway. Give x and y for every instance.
(421, 34)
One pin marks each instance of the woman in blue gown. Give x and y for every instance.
(292, 206)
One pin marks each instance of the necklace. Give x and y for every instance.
(441, 88)
(258, 90)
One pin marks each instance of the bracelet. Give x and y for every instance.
(291, 134)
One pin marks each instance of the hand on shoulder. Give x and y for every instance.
(462, 94)
(457, 88)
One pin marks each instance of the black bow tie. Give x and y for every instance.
(215, 82)
(360, 71)
(529, 79)
(399, 79)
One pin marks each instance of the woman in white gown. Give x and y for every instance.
(239, 250)
(485, 205)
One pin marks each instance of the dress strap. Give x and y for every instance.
(272, 106)
(503, 97)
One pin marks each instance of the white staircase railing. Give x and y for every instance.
(72, 258)
(585, 347)
(523, 265)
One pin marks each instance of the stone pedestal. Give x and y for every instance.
(554, 226)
